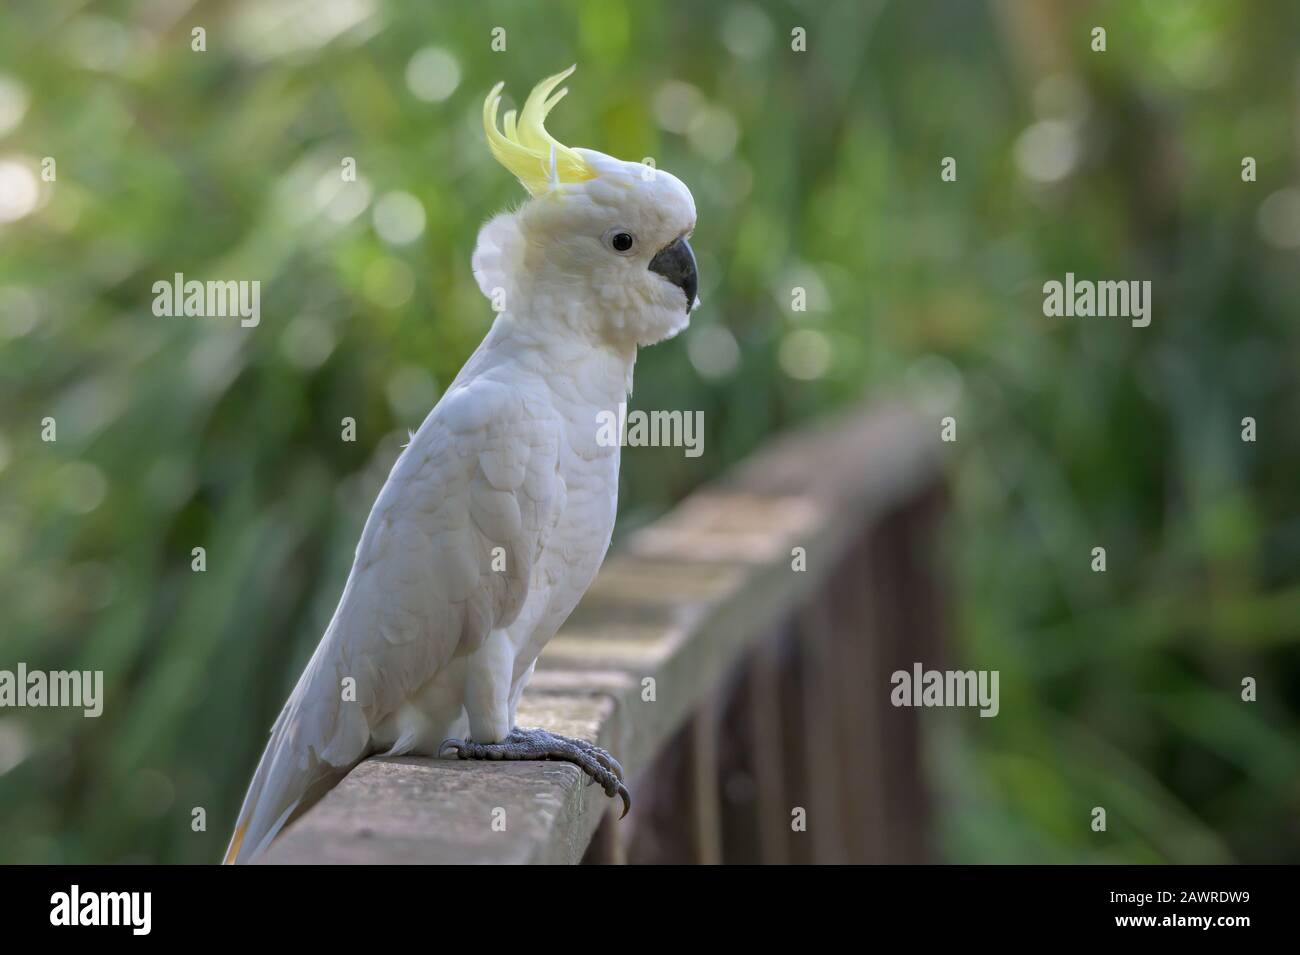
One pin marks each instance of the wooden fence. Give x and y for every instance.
(735, 656)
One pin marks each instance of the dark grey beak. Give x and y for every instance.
(676, 263)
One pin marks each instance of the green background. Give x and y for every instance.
(817, 169)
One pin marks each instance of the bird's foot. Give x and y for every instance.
(539, 744)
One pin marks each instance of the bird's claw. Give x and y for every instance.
(521, 744)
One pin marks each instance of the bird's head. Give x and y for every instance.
(601, 243)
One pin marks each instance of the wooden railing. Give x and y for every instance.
(735, 656)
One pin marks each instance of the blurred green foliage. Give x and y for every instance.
(817, 169)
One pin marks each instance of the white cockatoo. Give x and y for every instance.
(498, 513)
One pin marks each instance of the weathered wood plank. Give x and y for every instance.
(680, 603)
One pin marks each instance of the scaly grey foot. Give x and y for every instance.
(540, 744)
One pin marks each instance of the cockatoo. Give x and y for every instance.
(497, 515)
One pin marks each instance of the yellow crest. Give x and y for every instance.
(525, 147)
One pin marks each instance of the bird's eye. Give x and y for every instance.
(620, 240)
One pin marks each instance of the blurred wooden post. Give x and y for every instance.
(870, 818)
(607, 842)
(703, 763)
(852, 674)
(771, 810)
(822, 743)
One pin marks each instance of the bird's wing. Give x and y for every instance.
(446, 557)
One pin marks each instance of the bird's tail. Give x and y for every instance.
(312, 747)
(288, 780)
